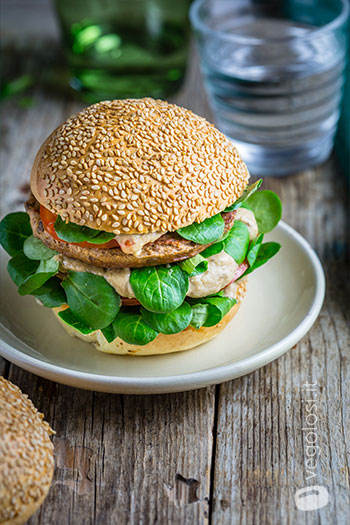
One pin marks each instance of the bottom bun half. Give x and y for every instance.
(162, 344)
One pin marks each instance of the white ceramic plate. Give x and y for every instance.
(284, 298)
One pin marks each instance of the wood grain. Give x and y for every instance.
(125, 459)
(231, 454)
(260, 451)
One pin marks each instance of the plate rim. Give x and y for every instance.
(190, 380)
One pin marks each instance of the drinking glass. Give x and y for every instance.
(125, 48)
(273, 71)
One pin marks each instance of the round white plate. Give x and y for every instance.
(283, 300)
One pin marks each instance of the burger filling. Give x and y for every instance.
(135, 287)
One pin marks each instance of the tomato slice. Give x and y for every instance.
(48, 219)
(240, 270)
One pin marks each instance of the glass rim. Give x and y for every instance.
(197, 23)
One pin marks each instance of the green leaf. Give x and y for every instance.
(14, 229)
(109, 333)
(132, 329)
(254, 248)
(102, 237)
(195, 265)
(48, 266)
(92, 300)
(170, 323)
(69, 318)
(248, 191)
(237, 242)
(267, 208)
(200, 314)
(35, 249)
(214, 249)
(51, 294)
(210, 230)
(45, 270)
(218, 307)
(266, 252)
(159, 289)
(20, 268)
(71, 232)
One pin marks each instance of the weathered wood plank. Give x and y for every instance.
(125, 459)
(4, 366)
(261, 454)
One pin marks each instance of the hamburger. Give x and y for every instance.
(141, 228)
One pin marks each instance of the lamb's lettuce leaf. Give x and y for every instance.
(92, 300)
(267, 208)
(35, 249)
(254, 248)
(195, 265)
(14, 230)
(46, 269)
(266, 252)
(171, 322)
(205, 232)
(71, 232)
(69, 318)
(51, 294)
(199, 315)
(237, 242)
(159, 289)
(217, 307)
(20, 268)
(131, 328)
(248, 191)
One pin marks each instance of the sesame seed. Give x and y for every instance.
(141, 155)
(27, 452)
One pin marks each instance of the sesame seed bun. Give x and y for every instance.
(26, 456)
(137, 166)
(162, 344)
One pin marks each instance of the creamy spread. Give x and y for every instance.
(68, 263)
(119, 278)
(133, 244)
(221, 268)
(248, 217)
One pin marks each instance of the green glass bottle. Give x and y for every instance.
(125, 48)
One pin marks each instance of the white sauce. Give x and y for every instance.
(221, 268)
(119, 278)
(116, 277)
(67, 263)
(248, 217)
(133, 244)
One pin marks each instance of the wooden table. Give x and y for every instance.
(228, 454)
